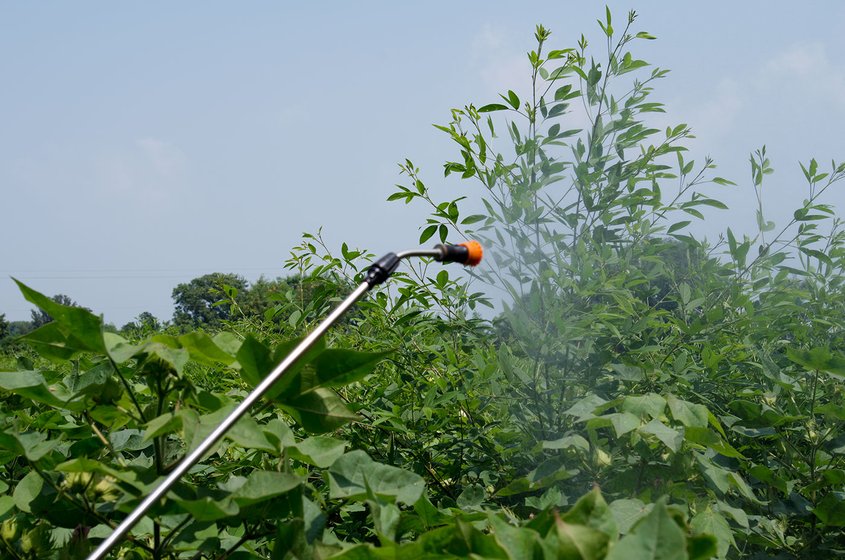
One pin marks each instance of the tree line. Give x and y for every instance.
(207, 302)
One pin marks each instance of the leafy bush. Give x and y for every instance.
(634, 355)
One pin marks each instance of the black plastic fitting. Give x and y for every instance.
(452, 253)
(381, 270)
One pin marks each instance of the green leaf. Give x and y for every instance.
(519, 543)
(355, 474)
(81, 330)
(31, 385)
(261, 486)
(256, 362)
(27, 493)
(670, 438)
(627, 512)
(622, 422)
(831, 509)
(167, 351)
(817, 254)
(209, 509)
(546, 474)
(687, 413)
(7, 504)
(386, 518)
(339, 367)
(161, 425)
(701, 547)
(677, 226)
(651, 405)
(471, 497)
(32, 445)
(429, 515)
(513, 99)
(818, 359)
(579, 541)
(712, 523)
(319, 411)
(592, 511)
(204, 349)
(228, 342)
(53, 342)
(319, 451)
(245, 433)
(472, 219)
(119, 349)
(585, 408)
(428, 233)
(492, 107)
(710, 439)
(628, 372)
(567, 442)
(734, 513)
(656, 537)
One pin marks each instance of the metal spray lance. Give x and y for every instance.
(468, 253)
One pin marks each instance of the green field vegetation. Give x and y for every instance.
(644, 394)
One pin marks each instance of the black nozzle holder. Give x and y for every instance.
(452, 253)
(381, 270)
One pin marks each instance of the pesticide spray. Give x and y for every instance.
(468, 253)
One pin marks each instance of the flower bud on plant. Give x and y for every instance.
(36, 542)
(9, 530)
(106, 490)
(76, 482)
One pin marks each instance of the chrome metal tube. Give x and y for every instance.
(436, 253)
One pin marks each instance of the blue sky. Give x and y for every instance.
(144, 144)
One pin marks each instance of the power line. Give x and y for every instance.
(126, 273)
(106, 270)
(133, 270)
(107, 277)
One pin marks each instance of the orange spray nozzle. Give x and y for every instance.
(474, 252)
(468, 253)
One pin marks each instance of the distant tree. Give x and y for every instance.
(265, 294)
(149, 321)
(195, 301)
(4, 326)
(276, 299)
(19, 328)
(145, 323)
(41, 317)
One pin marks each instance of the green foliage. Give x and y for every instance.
(197, 302)
(214, 300)
(83, 440)
(642, 393)
(632, 354)
(144, 324)
(4, 326)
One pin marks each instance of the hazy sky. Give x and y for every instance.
(144, 144)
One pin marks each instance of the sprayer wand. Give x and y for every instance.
(468, 253)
